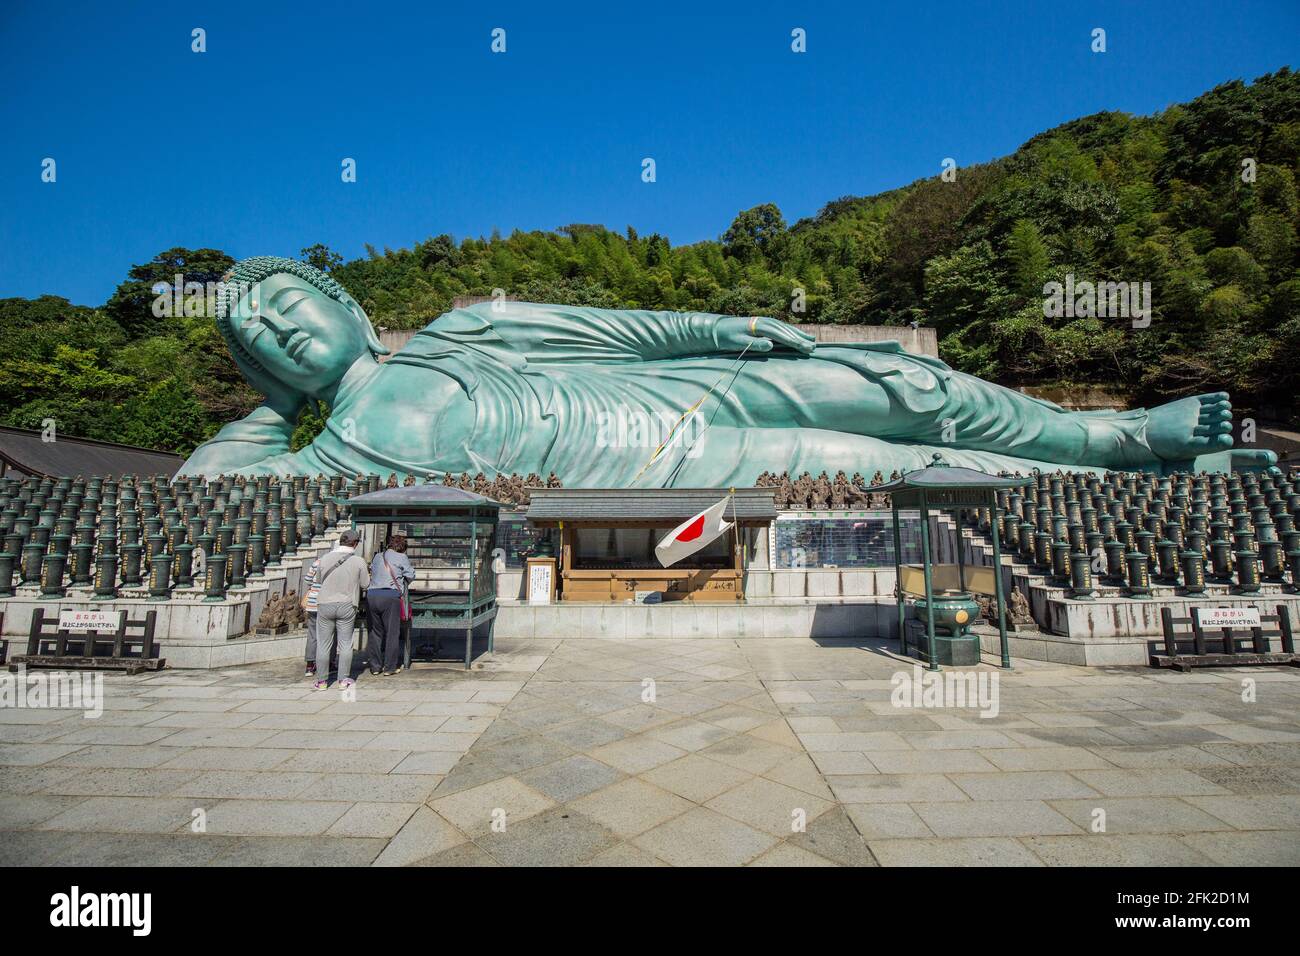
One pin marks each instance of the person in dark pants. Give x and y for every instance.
(390, 574)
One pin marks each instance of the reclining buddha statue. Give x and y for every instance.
(634, 398)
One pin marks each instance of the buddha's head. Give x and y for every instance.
(290, 324)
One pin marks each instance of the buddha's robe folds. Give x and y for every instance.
(540, 388)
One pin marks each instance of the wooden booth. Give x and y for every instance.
(608, 539)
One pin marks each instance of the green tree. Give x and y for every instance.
(755, 233)
(132, 304)
(322, 257)
(1027, 259)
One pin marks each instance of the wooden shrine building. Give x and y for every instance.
(608, 537)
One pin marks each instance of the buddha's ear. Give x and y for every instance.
(372, 340)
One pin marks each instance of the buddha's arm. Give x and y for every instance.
(262, 434)
(561, 333)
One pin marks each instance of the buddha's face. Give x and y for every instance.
(301, 336)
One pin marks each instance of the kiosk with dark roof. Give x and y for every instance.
(449, 535)
(940, 487)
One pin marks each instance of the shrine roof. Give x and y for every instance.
(939, 476)
(28, 452)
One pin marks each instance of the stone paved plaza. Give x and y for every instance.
(740, 741)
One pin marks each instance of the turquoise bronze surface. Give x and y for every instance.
(590, 393)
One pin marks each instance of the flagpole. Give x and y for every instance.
(734, 372)
(735, 526)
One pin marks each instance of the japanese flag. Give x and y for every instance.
(693, 534)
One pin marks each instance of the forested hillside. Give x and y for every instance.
(1200, 201)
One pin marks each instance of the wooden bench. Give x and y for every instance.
(48, 645)
(1227, 639)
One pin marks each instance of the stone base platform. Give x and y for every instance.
(190, 631)
(1057, 649)
(1108, 616)
(1111, 625)
(842, 618)
(1120, 631)
(247, 649)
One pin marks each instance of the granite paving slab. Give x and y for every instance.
(663, 751)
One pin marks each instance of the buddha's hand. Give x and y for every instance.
(760, 334)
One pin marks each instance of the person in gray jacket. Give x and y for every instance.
(342, 575)
(390, 575)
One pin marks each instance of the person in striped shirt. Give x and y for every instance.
(311, 586)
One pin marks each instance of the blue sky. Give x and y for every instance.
(240, 147)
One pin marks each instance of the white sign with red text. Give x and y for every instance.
(1228, 616)
(97, 621)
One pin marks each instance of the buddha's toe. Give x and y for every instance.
(1213, 422)
(1258, 458)
(1214, 409)
(1191, 426)
(1212, 429)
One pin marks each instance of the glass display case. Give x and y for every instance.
(436, 544)
(517, 538)
(845, 540)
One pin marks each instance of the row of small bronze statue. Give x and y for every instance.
(1018, 613)
(512, 490)
(282, 611)
(822, 493)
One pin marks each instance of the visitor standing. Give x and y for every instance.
(388, 605)
(343, 573)
(311, 590)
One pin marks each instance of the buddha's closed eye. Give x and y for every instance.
(291, 302)
(289, 298)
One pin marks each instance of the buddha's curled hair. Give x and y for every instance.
(248, 272)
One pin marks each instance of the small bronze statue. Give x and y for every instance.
(1018, 609)
(282, 610)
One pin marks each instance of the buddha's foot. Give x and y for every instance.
(1238, 459)
(1189, 427)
